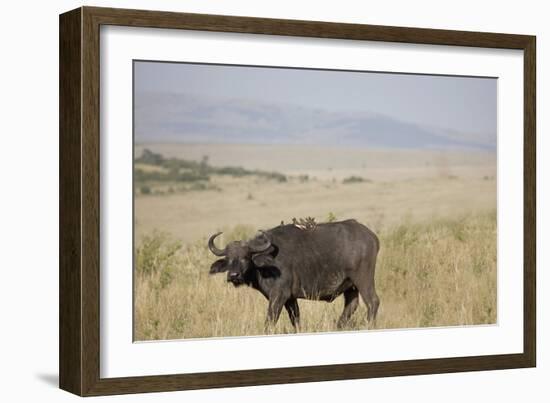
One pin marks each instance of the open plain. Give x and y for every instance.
(434, 211)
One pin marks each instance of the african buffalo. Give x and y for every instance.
(289, 262)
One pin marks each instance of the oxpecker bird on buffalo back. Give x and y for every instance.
(315, 262)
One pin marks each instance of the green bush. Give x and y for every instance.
(157, 253)
(274, 176)
(355, 179)
(149, 157)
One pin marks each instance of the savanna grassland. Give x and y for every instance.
(434, 212)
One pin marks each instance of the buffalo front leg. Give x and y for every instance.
(273, 312)
(351, 301)
(293, 313)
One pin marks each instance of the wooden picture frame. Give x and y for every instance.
(79, 280)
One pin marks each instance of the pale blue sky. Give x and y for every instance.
(465, 106)
(459, 103)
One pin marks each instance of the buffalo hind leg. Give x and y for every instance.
(273, 312)
(368, 293)
(363, 279)
(293, 313)
(351, 301)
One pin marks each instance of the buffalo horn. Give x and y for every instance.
(212, 247)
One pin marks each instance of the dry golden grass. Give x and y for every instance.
(440, 273)
(434, 212)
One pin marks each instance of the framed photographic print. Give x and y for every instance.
(249, 201)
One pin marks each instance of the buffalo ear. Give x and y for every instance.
(263, 259)
(219, 266)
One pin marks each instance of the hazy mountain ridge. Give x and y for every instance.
(164, 117)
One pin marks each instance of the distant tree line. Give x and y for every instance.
(180, 170)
